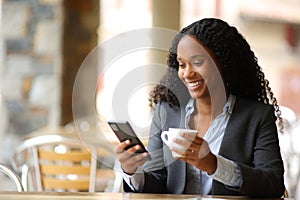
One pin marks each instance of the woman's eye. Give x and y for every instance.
(198, 63)
(180, 64)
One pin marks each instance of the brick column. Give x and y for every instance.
(81, 21)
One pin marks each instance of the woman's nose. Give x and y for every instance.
(188, 71)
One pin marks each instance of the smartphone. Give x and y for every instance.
(124, 131)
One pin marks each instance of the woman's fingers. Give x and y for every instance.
(129, 159)
(139, 158)
(188, 136)
(124, 153)
(196, 148)
(182, 142)
(120, 148)
(195, 152)
(189, 141)
(192, 137)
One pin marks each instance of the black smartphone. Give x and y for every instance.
(124, 131)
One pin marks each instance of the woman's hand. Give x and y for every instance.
(197, 153)
(129, 159)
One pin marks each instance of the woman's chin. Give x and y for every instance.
(198, 94)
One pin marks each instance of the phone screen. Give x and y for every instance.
(124, 131)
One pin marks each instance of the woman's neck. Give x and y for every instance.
(206, 110)
(211, 105)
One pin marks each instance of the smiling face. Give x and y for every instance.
(197, 69)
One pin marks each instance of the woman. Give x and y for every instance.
(215, 86)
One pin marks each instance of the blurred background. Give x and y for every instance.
(43, 43)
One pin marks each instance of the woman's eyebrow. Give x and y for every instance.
(197, 56)
(192, 57)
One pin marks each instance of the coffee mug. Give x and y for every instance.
(168, 136)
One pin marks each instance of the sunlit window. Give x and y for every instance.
(120, 17)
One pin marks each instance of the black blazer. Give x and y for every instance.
(250, 140)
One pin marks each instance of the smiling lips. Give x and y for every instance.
(194, 84)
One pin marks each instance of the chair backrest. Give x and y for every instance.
(66, 167)
(60, 163)
(13, 176)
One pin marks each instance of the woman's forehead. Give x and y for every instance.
(189, 47)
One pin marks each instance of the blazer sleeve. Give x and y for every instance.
(154, 170)
(266, 177)
(251, 140)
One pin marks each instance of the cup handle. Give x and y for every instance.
(164, 136)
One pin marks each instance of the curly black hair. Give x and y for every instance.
(241, 73)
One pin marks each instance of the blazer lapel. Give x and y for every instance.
(232, 125)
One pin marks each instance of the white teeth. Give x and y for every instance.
(194, 84)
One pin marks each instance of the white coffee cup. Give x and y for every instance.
(168, 136)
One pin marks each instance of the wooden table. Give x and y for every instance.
(110, 196)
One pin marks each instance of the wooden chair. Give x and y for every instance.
(65, 167)
(59, 163)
